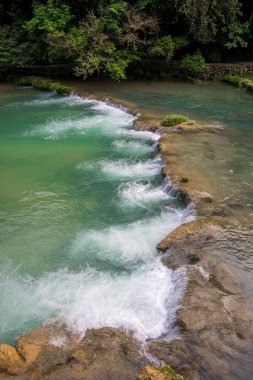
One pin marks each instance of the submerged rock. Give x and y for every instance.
(215, 321)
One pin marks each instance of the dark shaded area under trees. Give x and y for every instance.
(106, 37)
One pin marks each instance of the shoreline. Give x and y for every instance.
(214, 320)
(213, 304)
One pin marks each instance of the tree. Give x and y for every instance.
(50, 19)
(103, 43)
(212, 21)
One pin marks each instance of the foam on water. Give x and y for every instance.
(118, 115)
(124, 132)
(105, 117)
(124, 168)
(135, 193)
(126, 244)
(52, 99)
(144, 301)
(132, 146)
(54, 129)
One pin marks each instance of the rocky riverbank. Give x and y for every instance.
(215, 322)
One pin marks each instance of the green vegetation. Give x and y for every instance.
(107, 37)
(43, 84)
(167, 370)
(163, 47)
(49, 21)
(105, 42)
(14, 49)
(193, 66)
(233, 79)
(174, 119)
(239, 81)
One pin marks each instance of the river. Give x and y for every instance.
(220, 163)
(83, 205)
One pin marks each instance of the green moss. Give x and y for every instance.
(239, 81)
(167, 370)
(173, 119)
(43, 84)
(248, 83)
(233, 79)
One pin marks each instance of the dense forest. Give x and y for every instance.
(105, 37)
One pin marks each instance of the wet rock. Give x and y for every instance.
(222, 212)
(169, 130)
(105, 353)
(102, 354)
(189, 232)
(10, 361)
(235, 206)
(183, 180)
(146, 125)
(215, 321)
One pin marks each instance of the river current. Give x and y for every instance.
(83, 205)
(220, 163)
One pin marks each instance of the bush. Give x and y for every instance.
(171, 120)
(163, 47)
(193, 65)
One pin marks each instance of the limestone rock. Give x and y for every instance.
(188, 232)
(146, 125)
(104, 353)
(10, 361)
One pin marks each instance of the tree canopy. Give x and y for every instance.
(105, 36)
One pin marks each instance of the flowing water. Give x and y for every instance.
(222, 162)
(83, 205)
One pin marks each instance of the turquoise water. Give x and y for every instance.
(83, 205)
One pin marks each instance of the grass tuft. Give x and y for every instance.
(174, 119)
